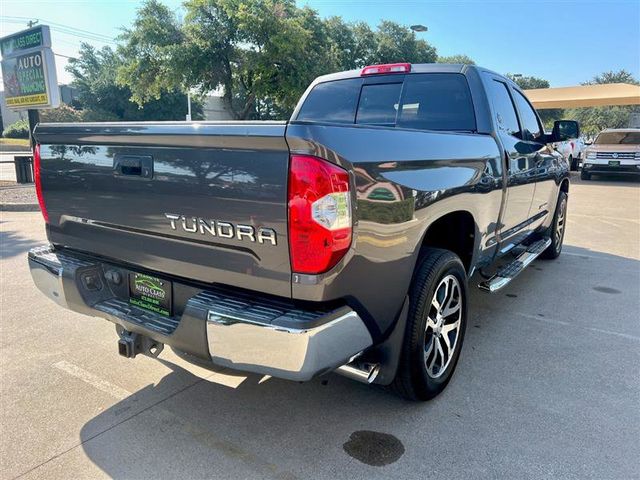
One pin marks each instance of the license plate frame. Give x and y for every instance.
(614, 163)
(151, 293)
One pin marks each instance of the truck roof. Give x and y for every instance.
(415, 68)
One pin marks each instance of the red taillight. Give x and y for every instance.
(386, 68)
(38, 181)
(319, 214)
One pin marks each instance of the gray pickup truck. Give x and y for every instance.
(342, 240)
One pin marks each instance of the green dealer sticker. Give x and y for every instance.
(150, 293)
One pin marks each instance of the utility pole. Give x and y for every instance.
(188, 106)
(33, 114)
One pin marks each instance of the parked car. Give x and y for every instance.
(342, 239)
(614, 151)
(572, 150)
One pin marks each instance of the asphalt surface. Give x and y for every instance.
(548, 385)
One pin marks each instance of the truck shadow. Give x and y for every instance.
(188, 427)
(607, 180)
(12, 244)
(249, 429)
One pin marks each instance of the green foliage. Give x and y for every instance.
(621, 76)
(19, 129)
(261, 54)
(529, 83)
(455, 59)
(63, 114)
(595, 119)
(101, 98)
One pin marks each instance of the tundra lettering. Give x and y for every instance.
(350, 235)
(222, 229)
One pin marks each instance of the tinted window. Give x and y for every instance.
(505, 113)
(530, 124)
(624, 138)
(379, 104)
(437, 101)
(332, 102)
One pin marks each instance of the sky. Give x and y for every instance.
(564, 41)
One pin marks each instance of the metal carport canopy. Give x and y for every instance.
(585, 96)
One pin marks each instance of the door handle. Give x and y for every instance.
(133, 166)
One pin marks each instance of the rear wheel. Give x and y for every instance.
(435, 326)
(557, 228)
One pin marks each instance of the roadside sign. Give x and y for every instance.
(29, 70)
(36, 37)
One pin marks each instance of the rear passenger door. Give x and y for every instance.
(545, 163)
(519, 160)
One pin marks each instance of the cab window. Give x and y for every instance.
(504, 111)
(530, 124)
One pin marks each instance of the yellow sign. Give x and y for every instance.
(28, 100)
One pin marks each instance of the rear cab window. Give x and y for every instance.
(421, 101)
(333, 102)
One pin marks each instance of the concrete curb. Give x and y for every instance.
(19, 207)
(9, 149)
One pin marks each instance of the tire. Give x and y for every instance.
(585, 175)
(423, 371)
(557, 228)
(573, 163)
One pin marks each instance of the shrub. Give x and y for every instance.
(63, 114)
(19, 129)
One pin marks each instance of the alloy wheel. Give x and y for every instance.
(443, 326)
(562, 213)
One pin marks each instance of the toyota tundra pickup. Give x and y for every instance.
(343, 239)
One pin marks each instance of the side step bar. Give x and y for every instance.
(510, 271)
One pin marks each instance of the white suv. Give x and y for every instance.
(613, 151)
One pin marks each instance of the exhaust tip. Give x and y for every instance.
(363, 372)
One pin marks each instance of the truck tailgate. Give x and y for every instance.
(203, 201)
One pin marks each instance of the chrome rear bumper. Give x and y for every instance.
(235, 329)
(291, 353)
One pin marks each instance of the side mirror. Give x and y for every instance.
(565, 130)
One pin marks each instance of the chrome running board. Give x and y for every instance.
(510, 271)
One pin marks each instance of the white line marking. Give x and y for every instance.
(600, 217)
(93, 380)
(568, 324)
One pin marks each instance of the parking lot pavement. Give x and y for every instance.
(547, 386)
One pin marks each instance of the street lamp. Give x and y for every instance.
(418, 28)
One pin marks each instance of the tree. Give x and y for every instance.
(101, 98)
(253, 50)
(397, 43)
(260, 54)
(547, 115)
(595, 119)
(455, 59)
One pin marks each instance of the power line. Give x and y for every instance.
(64, 29)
